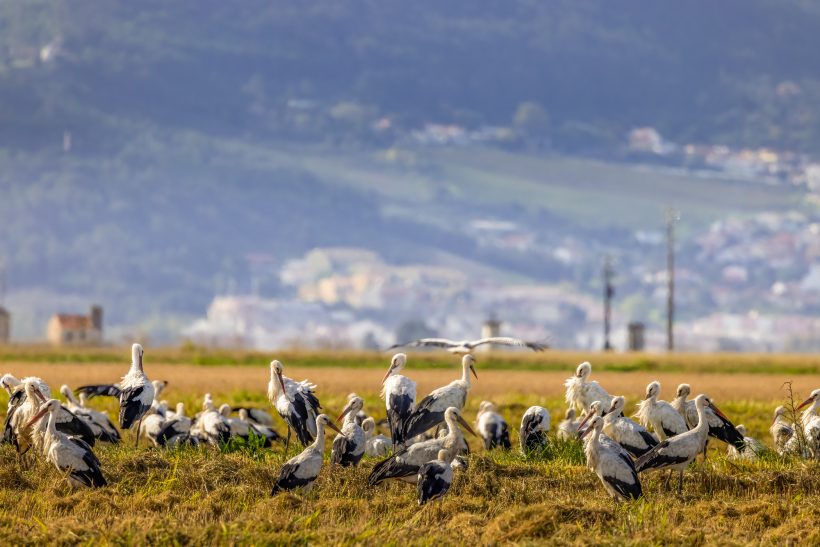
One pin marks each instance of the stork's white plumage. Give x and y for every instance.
(136, 391)
(399, 394)
(781, 430)
(535, 425)
(100, 424)
(9, 382)
(612, 464)
(634, 437)
(211, 426)
(404, 464)
(661, 416)
(435, 477)
(810, 421)
(467, 346)
(70, 455)
(153, 421)
(719, 426)
(349, 445)
(24, 404)
(301, 470)
(430, 410)
(752, 448)
(492, 427)
(295, 402)
(376, 445)
(676, 452)
(568, 428)
(266, 433)
(177, 430)
(581, 392)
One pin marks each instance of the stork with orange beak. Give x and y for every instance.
(811, 422)
(399, 394)
(348, 446)
(300, 471)
(295, 402)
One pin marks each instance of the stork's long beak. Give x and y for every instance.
(584, 421)
(466, 426)
(40, 395)
(387, 374)
(332, 426)
(37, 417)
(584, 433)
(805, 403)
(610, 411)
(282, 383)
(344, 412)
(717, 411)
(474, 372)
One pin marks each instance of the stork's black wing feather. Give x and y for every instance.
(391, 468)
(401, 408)
(77, 427)
(15, 401)
(727, 433)
(430, 485)
(298, 421)
(423, 418)
(654, 459)
(103, 390)
(625, 489)
(131, 408)
(288, 480)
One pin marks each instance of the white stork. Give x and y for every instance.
(752, 448)
(634, 437)
(301, 470)
(661, 416)
(100, 425)
(257, 415)
(10, 383)
(295, 402)
(268, 434)
(810, 422)
(405, 463)
(24, 404)
(435, 477)
(781, 430)
(153, 421)
(349, 445)
(676, 452)
(535, 425)
(568, 427)
(719, 426)
(211, 426)
(467, 346)
(612, 464)
(136, 392)
(376, 445)
(430, 410)
(492, 427)
(177, 430)
(581, 392)
(70, 455)
(399, 394)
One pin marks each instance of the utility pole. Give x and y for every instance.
(609, 292)
(672, 216)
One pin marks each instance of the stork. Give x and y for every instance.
(268, 434)
(467, 346)
(661, 416)
(405, 463)
(581, 392)
(752, 448)
(295, 402)
(301, 470)
(595, 411)
(781, 430)
(568, 428)
(430, 410)
(676, 452)
(719, 426)
(399, 394)
(348, 446)
(211, 424)
(634, 437)
(492, 427)
(24, 404)
(100, 425)
(376, 445)
(11, 384)
(535, 424)
(810, 422)
(176, 431)
(70, 455)
(153, 421)
(136, 393)
(257, 415)
(435, 477)
(612, 464)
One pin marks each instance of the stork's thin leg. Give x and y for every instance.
(287, 442)
(139, 427)
(666, 482)
(705, 448)
(680, 482)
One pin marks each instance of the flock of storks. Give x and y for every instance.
(425, 444)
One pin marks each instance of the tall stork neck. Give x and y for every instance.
(465, 374)
(703, 423)
(319, 443)
(52, 423)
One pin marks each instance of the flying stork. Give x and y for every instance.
(100, 425)
(70, 455)
(399, 394)
(467, 346)
(612, 464)
(405, 463)
(581, 392)
(676, 452)
(376, 445)
(430, 410)
(435, 477)
(349, 445)
(568, 428)
(661, 416)
(295, 402)
(535, 424)
(719, 426)
(492, 427)
(634, 437)
(301, 470)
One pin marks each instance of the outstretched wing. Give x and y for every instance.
(426, 342)
(508, 341)
(103, 390)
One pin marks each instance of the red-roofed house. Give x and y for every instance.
(76, 330)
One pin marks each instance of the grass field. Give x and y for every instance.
(210, 496)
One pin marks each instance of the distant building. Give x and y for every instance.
(5, 326)
(490, 329)
(76, 330)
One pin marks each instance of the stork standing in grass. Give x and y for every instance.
(612, 464)
(492, 427)
(212, 425)
(349, 445)
(100, 424)
(810, 421)
(376, 445)
(677, 452)
(70, 455)
(568, 428)
(719, 426)
(581, 392)
(153, 421)
(752, 448)
(24, 404)
(399, 394)
(176, 430)
(535, 424)
(781, 430)
(136, 393)
(295, 402)
(661, 416)
(430, 410)
(634, 437)
(404, 464)
(300, 471)
(435, 477)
